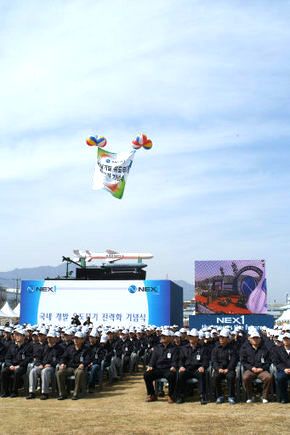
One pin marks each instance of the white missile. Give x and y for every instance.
(111, 256)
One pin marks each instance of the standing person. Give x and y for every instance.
(87, 322)
(163, 363)
(193, 362)
(224, 360)
(76, 320)
(256, 361)
(16, 361)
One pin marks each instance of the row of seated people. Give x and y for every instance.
(51, 355)
(176, 356)
(253, 353)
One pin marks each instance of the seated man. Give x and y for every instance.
(17, 358)
(73, 361)
(99, 354)
(224, 360)
(256, 361)
(193, 362)
(45, 366)
(282, 362)
(127, 346)
(163, 364)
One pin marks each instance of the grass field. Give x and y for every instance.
(121, 409)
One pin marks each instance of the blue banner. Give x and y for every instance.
(202, 320)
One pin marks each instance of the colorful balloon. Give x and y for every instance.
(136, 145)
(140, 141)
(91, 141)
(99, 141)
(147, 145)
(141, 138)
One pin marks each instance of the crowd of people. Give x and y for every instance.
(47, 356)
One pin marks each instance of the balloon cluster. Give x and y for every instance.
(141, 141)
(98, 141)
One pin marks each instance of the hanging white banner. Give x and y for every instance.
(112, 170)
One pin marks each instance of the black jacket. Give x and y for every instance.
(259, 358)
(281, 359)
(140, 345)
(127, 347)
(18, 356)
(50, 355)
(99, 354)
(193, 358)
(224, 357)
(73, 357)
(164, 357)
(2, 352)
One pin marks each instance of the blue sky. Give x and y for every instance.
(207, 81)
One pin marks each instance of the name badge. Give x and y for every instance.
(81, 359)
(96, 355)
(198, 357)
(148, 345)
(169, 355)
(23, 356)
(262, 360)
(126, 349)
(53, 358)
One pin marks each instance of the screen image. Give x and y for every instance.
(230, 287)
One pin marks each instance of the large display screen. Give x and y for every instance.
(115, 303)
(230, 287)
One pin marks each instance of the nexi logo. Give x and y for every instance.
(133, 289)
(32, 289)
(231, 320)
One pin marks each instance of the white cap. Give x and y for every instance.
(42, 331)
(286, 335)
(68, 332)
(166, 332)
(254, 333)
(193, 332)
(94, 333)
(19, 331)
(178, 334)
(52, 334)
(79, 334)
(225, 333)
(104, 339)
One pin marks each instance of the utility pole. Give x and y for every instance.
(18, 280)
